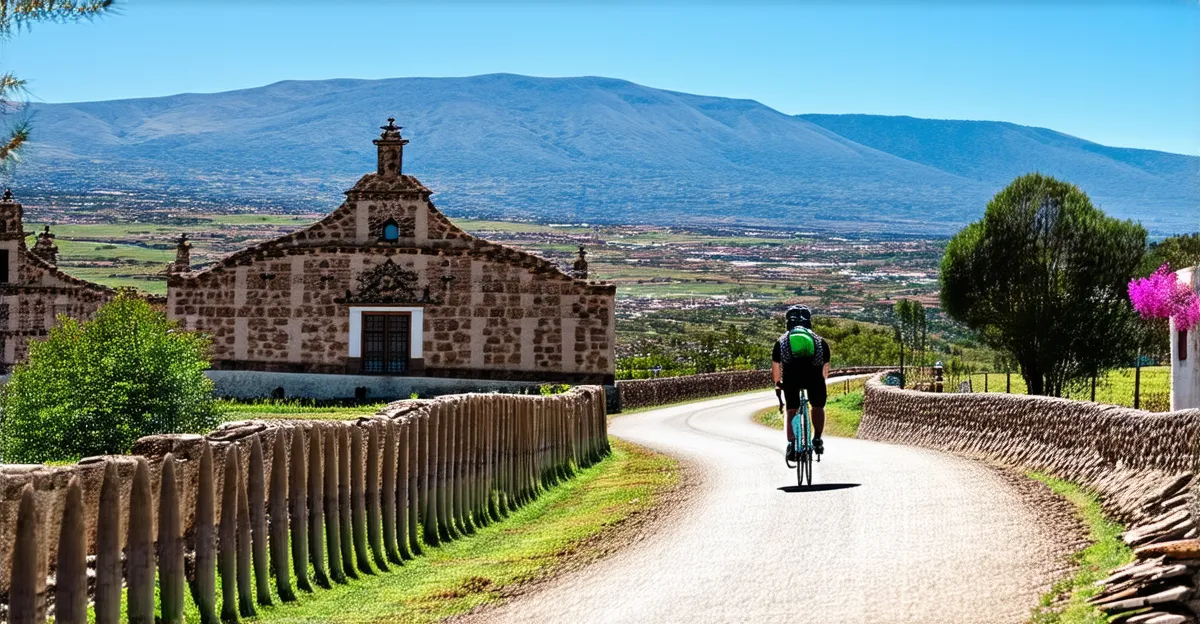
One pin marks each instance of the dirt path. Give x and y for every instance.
(891, 535)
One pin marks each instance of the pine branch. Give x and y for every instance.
(17, 138)
(15, 14)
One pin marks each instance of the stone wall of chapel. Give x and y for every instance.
(276, 310)
(30, 305)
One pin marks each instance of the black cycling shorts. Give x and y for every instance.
(816, 394)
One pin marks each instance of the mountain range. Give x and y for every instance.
(585, 150)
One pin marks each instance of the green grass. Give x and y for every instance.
(268, 409)
(843, 413)
(559, 528)
(1116, 388)
(1106, 553)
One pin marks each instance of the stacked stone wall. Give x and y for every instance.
(636, 393)
(1141, 464)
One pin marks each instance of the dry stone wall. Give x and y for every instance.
(637, 393)
(1141, 464)
(417, 472)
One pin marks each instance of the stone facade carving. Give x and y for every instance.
(32, 290)
(485, 311)
(45, 248)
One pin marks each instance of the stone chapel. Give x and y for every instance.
(387, 285)
(383, 285)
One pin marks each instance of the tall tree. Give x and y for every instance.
(18, 14)
(910, 323)
(1043, 277)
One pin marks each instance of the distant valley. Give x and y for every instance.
(573, 150)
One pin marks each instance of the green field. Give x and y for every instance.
(1116, 388)
(268, 409)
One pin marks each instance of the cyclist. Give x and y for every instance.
(793, 372)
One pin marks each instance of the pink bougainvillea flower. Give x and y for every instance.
(1188, 315)
(1163, 296)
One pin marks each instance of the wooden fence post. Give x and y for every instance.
(333, 516)
(429, 475)
(358, 500)
(415, 473)
(299, 502)
(204, 592)
(139, 563)
(453, 496)
(108, 546)
(462, 516)
(389, 494)
(171, 577)
(344, 501)
(278, 510)
(441, 429)
(256, 491)
(227, 536)
(70, 592)
(244, 559)
(27, 586)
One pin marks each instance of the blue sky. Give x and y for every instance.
(1115, 73)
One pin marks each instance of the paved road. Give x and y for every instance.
(896, 535)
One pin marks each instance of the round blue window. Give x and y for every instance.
(391, 232)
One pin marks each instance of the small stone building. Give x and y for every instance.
(33, 292)
(387, 285)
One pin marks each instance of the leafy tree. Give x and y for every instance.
(18, 14)
(1176, 251)
(911, 328)
(94, 387)
(1043, 277)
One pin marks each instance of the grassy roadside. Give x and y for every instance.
(1066, 602)
(567, 526)
(842, 415)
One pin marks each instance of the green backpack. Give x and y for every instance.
(802, 342)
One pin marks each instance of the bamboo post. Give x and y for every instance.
(205, 588)
(139, 563)
(298, 505)
(108, 547)
(227, 537)
(389, 494)
(410, 474)
(344, 501)
(278, 510)
(70, 591)
(171, 577)
(244, 558)
(256, 491)
(27, 586)
(358, 501)
(333, 517)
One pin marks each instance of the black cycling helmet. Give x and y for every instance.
(798, 315)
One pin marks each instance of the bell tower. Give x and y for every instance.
(391, 149)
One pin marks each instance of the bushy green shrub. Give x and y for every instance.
(94, 387)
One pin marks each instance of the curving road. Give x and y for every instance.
(893, 535)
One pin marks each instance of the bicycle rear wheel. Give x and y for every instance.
(808, 462)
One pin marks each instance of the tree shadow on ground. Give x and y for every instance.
(817, 487)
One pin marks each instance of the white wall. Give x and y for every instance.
(1185, 375)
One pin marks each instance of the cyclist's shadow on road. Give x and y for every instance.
(817, 487)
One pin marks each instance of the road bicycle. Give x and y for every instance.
(802, 439)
